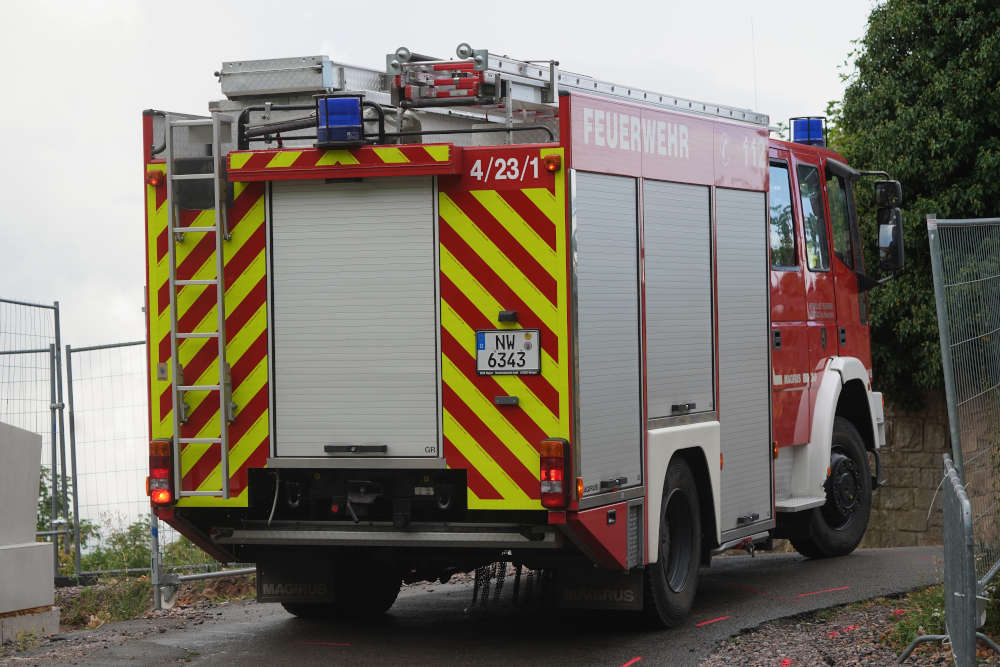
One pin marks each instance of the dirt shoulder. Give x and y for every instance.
(857, 634)
(113, 612)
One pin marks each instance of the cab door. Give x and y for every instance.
(847, 262)
(789, 332)
(821, 307)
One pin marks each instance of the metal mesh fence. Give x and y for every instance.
(109, 433)
(965, 257)
(29, 387)
(110, 436)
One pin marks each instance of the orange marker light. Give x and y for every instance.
(155, 177)
(579, 487)
(552, 163)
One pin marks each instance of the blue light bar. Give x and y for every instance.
(338, 121)
(809, 131)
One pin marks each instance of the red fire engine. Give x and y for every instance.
(412, 322)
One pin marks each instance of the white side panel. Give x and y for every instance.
(607, 266)
(744, 365)
(663, 443)
(678, 263)
(354, 295)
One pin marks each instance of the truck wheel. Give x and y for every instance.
(836, 528)
(672, 580)
(365, 589)
(310, 609)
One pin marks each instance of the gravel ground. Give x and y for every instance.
(848, 636)
(852, 635)
(196, 604)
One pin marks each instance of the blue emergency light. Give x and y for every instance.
(810, 130)
(339, 121)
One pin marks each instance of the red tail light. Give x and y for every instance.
(159, 484)
(554, 473)
(161, 496)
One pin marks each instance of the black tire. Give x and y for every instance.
(310, 609)
(365, 588)
(836, 528)
(672, 581)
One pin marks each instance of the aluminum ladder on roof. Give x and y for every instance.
(536, 83)
(176, 234)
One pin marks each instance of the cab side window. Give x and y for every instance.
(840, 219)
(783, 254)
(813, 218)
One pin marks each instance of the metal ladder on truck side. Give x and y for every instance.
(176, 234)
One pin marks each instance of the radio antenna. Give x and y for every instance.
(753, 48)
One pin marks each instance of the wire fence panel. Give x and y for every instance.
(109, 435)
(30, 393)
(109, 432)
(965, 259)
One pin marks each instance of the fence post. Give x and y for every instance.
(55, 478)
(954, 427)
(72, 456)
(62, 421)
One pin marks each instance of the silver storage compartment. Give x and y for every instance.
(679, 333)
(744, 390)
(607, 317)
(355, 353)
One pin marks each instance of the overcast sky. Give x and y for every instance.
(78, 74)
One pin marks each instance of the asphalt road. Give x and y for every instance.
(429, 624)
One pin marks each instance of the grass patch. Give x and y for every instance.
(923, 614)
(109, 600)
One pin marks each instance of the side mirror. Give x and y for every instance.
(888, 194)
(890, 238)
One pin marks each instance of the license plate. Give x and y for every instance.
(508, 352)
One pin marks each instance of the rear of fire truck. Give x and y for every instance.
(357, 326)
(404, 324)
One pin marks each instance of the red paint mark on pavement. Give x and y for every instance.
(828, 590)
(850, 627)
(899, 612)
(326, 643)
(714, 620)
(632, 661)
(786, 662)
(833, 634)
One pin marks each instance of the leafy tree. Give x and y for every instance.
(122, 548)
(88, 530)
(923, 103)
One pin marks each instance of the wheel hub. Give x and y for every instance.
(844, 484)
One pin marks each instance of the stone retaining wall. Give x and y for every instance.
(912, 468)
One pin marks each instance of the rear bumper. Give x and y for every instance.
(467, 536)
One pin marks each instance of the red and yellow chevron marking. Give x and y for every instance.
(291, 163)
(503, 249)
(246, 340)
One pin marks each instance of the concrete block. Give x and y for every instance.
(39, 623)
(26, 575)
(902, 476)
(911, 521)
(891, 498)
(20, 452)
(906, 434)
